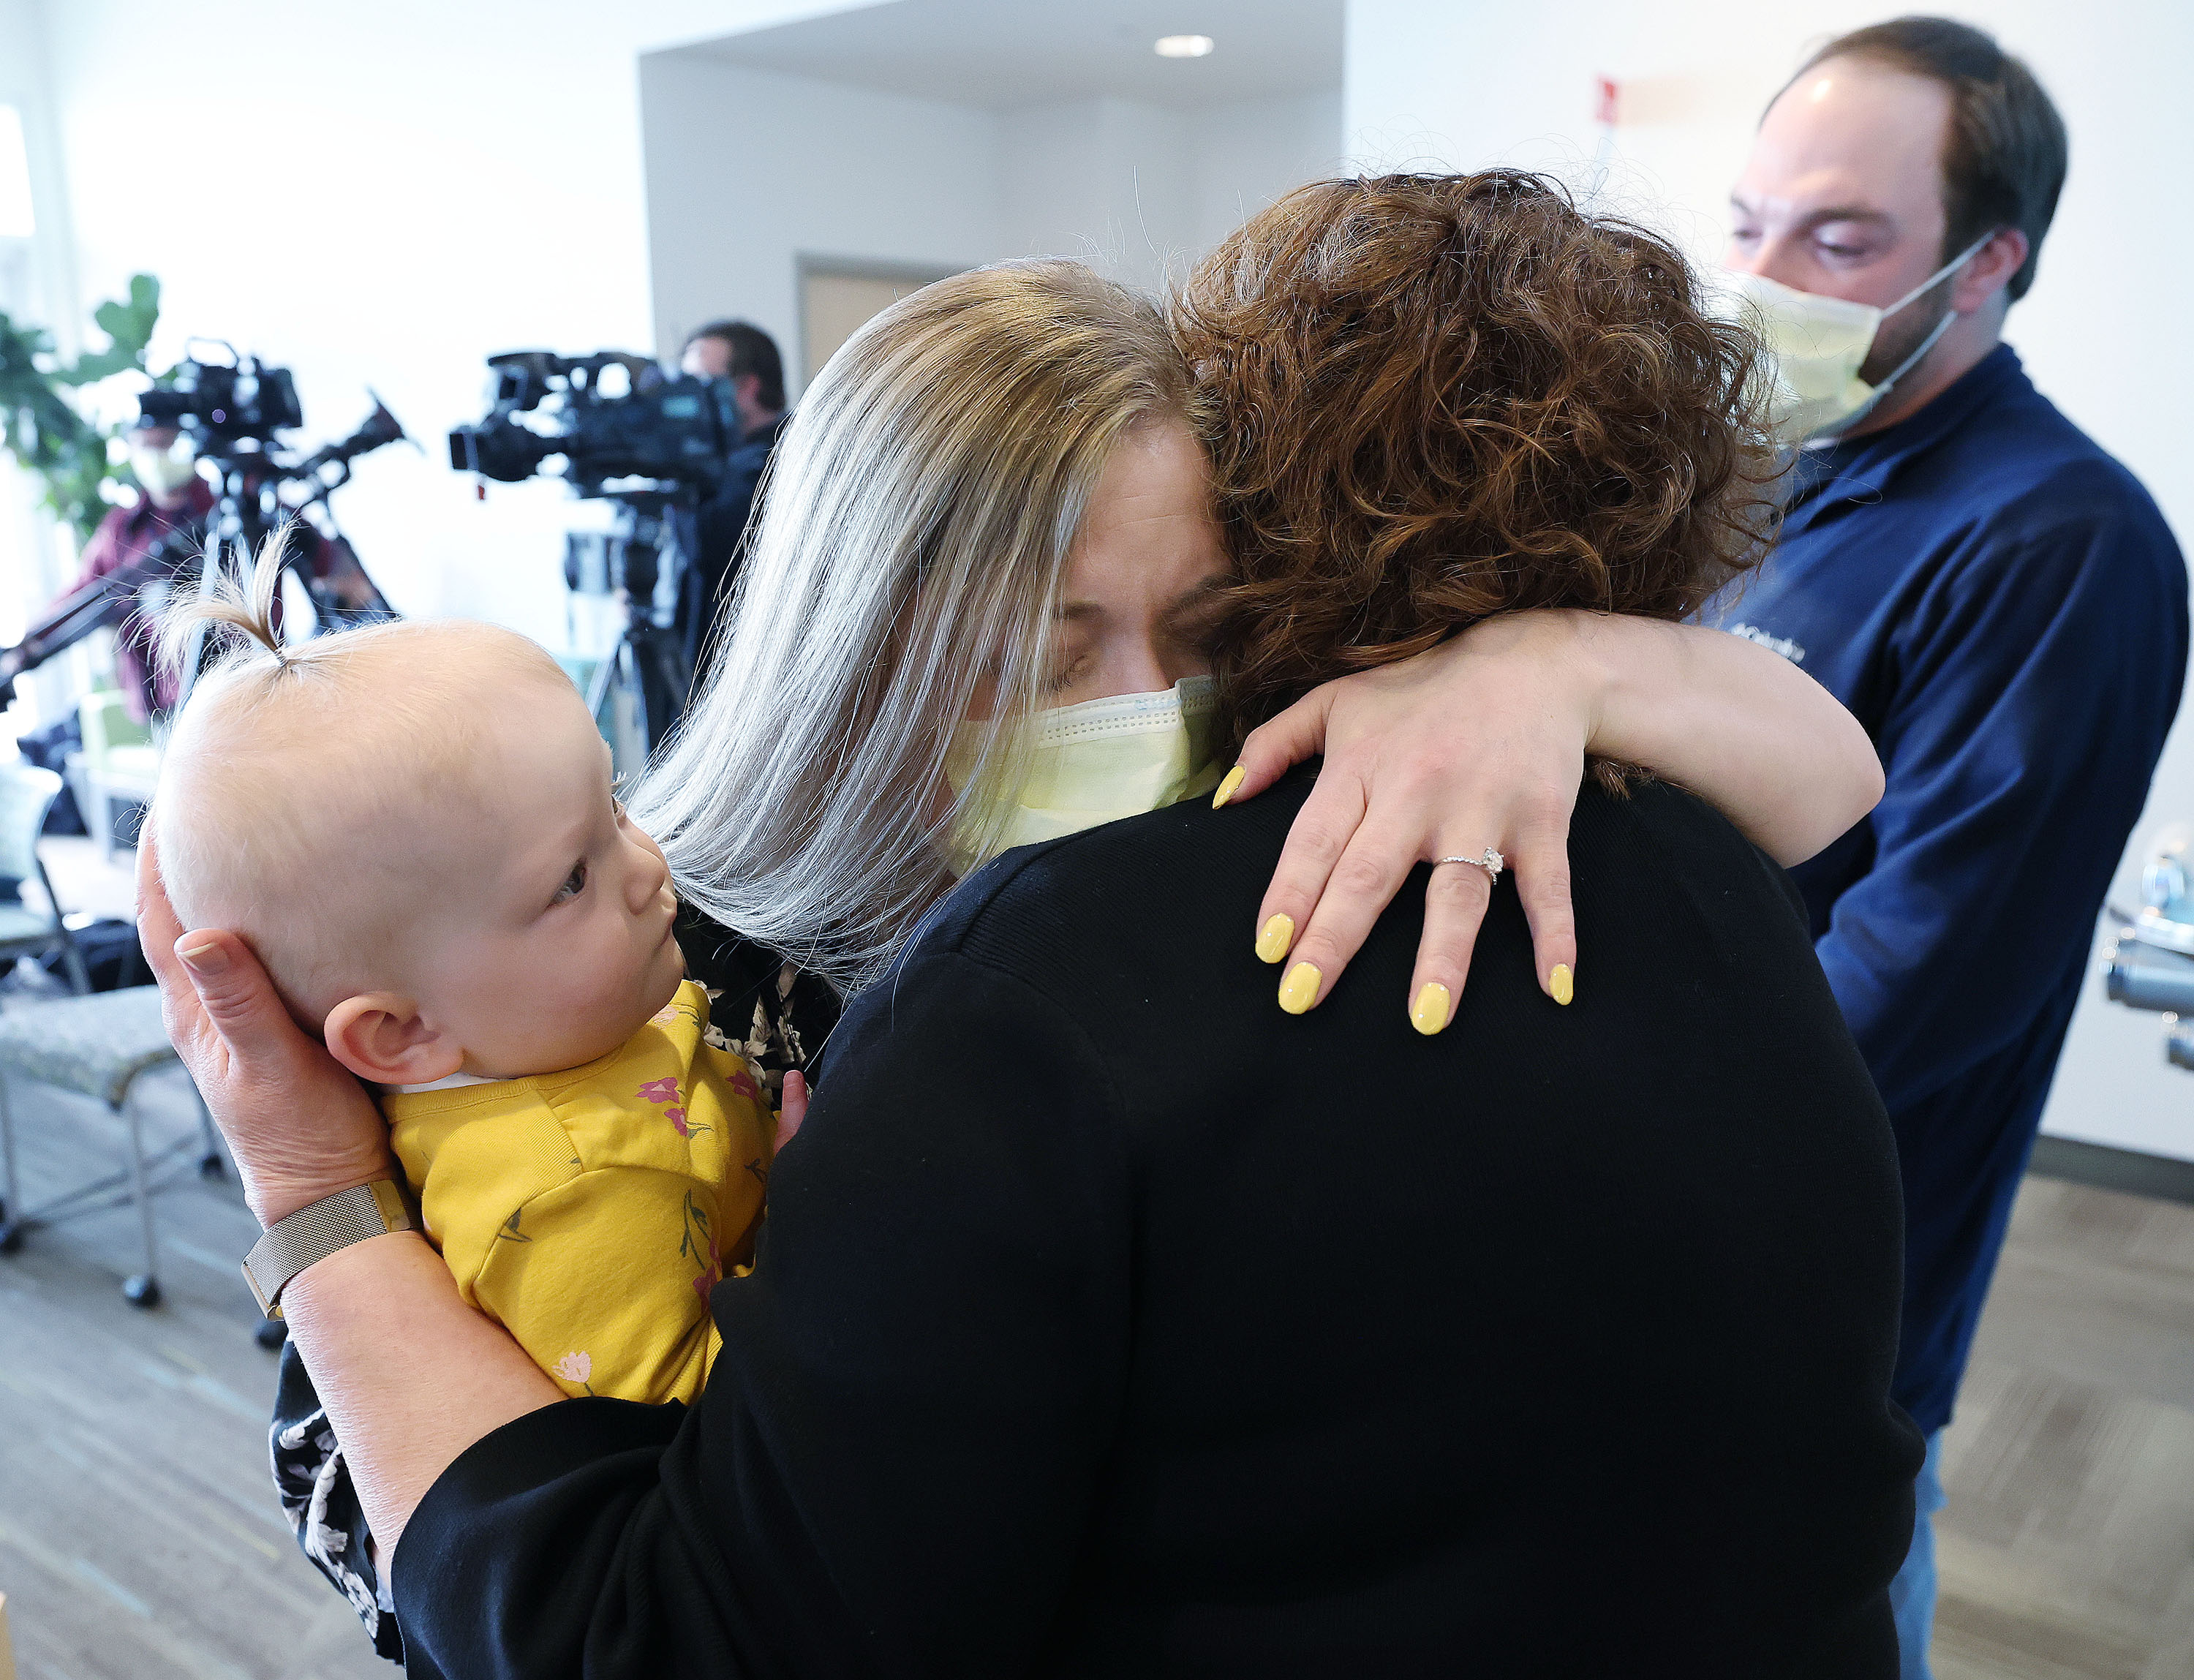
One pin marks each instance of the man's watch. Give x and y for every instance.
(312, 1233)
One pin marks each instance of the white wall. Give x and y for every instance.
(25, 84)
(35, 558)
(746, 169)
(1463, 86)
(749, 170)
(381, 195)
(1110, 181)
(1248, 153)
(1141, 191)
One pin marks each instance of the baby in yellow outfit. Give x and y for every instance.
(413, 825)
(591, 1210)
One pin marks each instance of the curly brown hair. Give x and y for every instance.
(1429, 399)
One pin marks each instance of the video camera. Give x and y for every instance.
(611, 416)
(654, 443)
(232, 412)
(224, 409)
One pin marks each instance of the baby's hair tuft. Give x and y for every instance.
(234, 610)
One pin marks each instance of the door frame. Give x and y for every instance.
(805, 263)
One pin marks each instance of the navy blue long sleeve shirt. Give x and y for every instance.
(2002, 605)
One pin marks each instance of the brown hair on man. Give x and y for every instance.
(2005, 151)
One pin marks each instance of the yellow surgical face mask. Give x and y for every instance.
(1818, 344)
(1093, 763)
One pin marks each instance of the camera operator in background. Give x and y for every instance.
(176, 502)
(746, 356)
(216, 483)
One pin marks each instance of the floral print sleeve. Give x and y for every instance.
(775, 1015)
(322, 1506)
(762, 1007)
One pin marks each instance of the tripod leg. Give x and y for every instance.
(635, 678)
(144, 1289)
(11, 1211)
(666, 690)
(600, 685)
(620, 709)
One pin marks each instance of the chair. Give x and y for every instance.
(121, 764)
(27, 794)
(98, 1045)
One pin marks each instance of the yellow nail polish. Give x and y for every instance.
(1227, 792)
(1299, 990)
(1560, 984)
(1274, 938)
(1429, 1014)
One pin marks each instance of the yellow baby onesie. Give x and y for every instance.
(590, 1211)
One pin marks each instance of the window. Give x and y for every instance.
(16, 220)
(17, 223)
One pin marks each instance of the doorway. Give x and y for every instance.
(838, 296)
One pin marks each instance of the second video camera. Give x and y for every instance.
(610, 416)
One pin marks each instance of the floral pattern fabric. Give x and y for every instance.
(589, 1212)
(759, 1006)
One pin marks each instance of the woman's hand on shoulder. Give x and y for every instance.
(1479, 742)
(301, 1127)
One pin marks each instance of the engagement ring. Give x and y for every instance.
(1488, 860)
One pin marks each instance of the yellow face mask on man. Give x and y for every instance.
(1093, 763)
(1818, 344)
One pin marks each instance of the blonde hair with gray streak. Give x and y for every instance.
(906, 566)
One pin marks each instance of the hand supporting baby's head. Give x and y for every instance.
(412, 825)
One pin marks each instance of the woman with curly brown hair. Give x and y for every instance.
(1431, 400)
(1106, 1319)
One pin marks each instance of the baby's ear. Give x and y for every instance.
(380, 1037)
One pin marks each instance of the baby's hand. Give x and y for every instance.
(793, 1109)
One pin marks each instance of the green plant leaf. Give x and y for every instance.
(39, 424)
(129, 327)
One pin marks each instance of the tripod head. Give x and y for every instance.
(637, 554)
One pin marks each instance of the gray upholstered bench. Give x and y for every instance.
(98, 1045)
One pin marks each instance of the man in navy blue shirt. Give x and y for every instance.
(1996, 599)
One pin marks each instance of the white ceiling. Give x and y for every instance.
(1007, 53)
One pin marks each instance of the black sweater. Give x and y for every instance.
(1108, 1320)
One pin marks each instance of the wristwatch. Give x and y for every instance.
(312, 1233)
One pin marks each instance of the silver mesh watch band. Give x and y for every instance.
(312, 1233)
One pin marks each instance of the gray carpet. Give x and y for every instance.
(2068, 1549)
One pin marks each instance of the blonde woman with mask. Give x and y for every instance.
(981, 610)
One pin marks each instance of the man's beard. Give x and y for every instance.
(1903, 332)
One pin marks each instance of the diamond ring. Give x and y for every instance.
(1488, 860)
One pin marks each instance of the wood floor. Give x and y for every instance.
(139, 1539)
